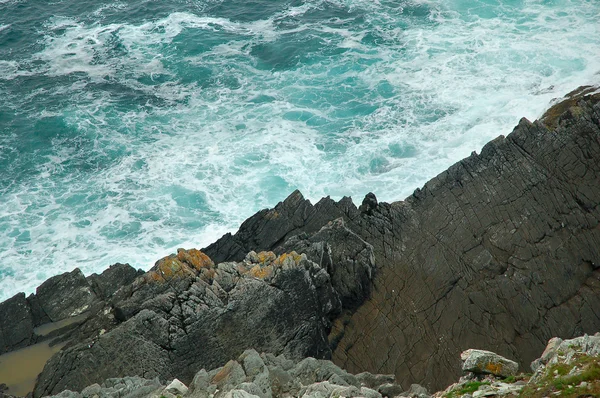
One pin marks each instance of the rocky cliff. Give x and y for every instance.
(499, 252)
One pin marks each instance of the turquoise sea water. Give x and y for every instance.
(131, 128)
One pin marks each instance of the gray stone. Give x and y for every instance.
(390, 390)
(200, 382)
(239, 394)
(374, 381)
(252, 363)
(229, 376)
(16, 324)
(176, 388)
(90, 391)
(369, 393)
(65, 295)
(416, 391)
(487, 362)
(311, 370)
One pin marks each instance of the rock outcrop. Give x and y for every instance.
(487, 362)
(500, 252)
(254, 375)
(187, 312)
(569, 368)
(60, 298)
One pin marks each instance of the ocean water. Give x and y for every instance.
(131, 128)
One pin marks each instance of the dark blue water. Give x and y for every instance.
(128, 129)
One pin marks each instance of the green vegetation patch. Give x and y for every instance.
(559, 382)
(467, 388)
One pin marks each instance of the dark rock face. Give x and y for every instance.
(136, 347)
(112, 279)
(16, 324)
(69, 307)
(501, 252)
(65, 295)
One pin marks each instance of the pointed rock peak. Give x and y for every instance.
(294, 198)
(369, 203)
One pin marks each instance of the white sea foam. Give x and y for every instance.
(215, 153)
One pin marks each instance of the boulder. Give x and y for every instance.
(487, 362)
(176, 388)
(65, 295)
(16, 324)
(112, 279)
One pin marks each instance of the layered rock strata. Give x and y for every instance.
(188, 312)
(501, 251)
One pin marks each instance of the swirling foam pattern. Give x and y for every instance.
(128, 129)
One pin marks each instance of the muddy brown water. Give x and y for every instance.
(19, 369)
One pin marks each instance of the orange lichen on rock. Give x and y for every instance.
(266, 257)
(288, 258)
(187, 263)
(261, 272)
(169, 268)
(195, 258)
(493, 368)
(224, 373)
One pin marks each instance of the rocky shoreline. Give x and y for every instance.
(500, 252)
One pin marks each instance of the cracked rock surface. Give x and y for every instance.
(187, 313)
(500, 252)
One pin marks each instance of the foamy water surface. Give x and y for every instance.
(128, 130)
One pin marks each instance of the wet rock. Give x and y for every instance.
(112, 279)
(65, 295)
(16, 324)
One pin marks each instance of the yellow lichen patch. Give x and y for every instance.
(266, 257)
(287, 258)
(569, 103)
(195, 258)
(168, 268)
(261, 272)
(494, 368)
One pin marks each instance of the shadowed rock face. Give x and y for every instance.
(499, 252)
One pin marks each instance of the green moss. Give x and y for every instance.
(467, 388)
(558, 380)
